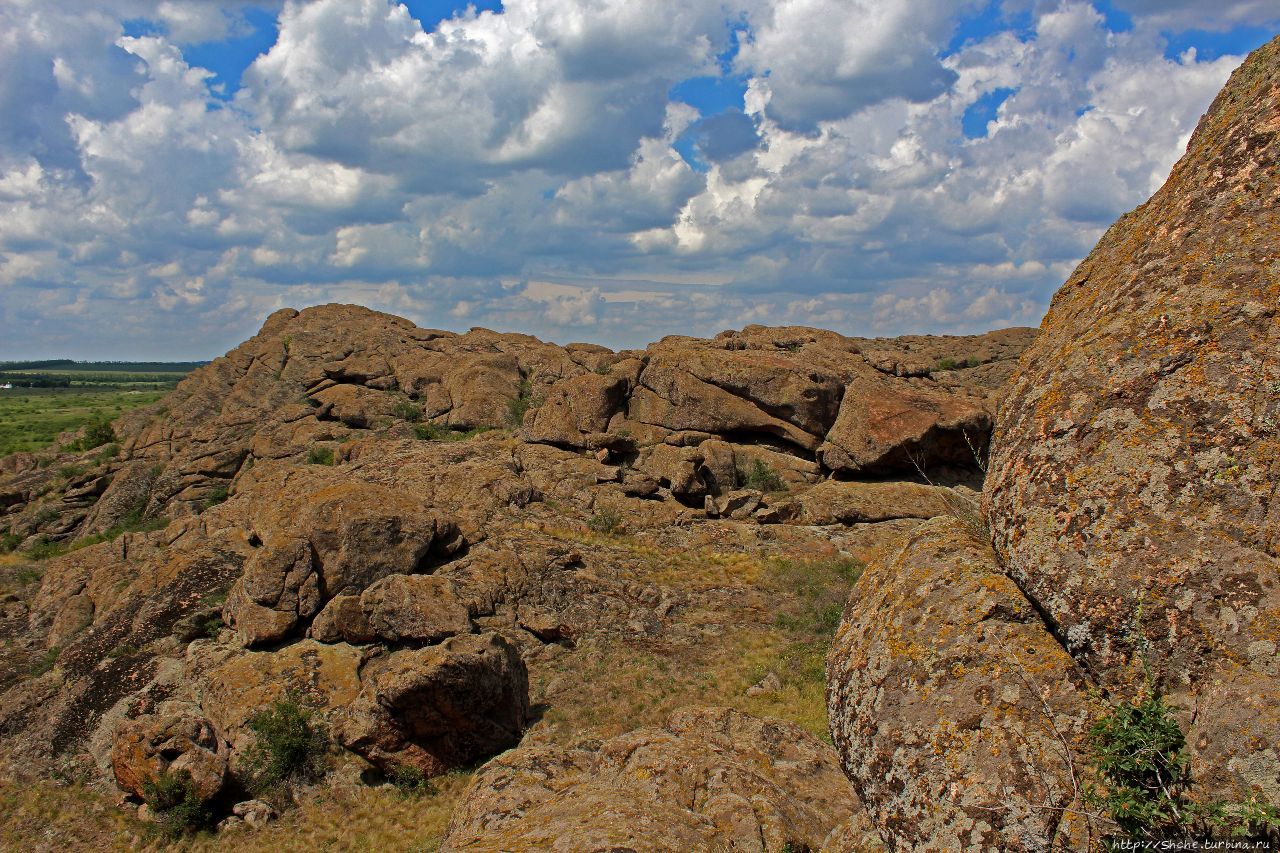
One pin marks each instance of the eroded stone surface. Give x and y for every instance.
(711, 778)
(1133, 490)
(956, 714)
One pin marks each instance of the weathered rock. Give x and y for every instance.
(234, 684)
(337, 538)
(1135, 485)
(889, 428)
(955, 712)
(711, 778)
(128, 493)
(153, 745)
(439, 707)
(255, 813)
(414, 608)
(839, 502)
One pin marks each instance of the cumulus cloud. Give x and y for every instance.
(531, 169)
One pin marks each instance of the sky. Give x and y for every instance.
(171, 171)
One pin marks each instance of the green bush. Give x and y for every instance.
(1137, 752)
(289, 745)
(217, 496)
(96, 433)
(45, 548)
(434, 432)
(606, 520)
(320, 456)
(758, 475)
(410, 781)
(407, 411)
(9, 541)
(178, 810)
(522, 403)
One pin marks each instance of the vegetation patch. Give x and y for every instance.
(320, 456)
(436, 432)
(1138, 755)
(759, 476)
(32, 418)
(289, 746)
(607, 521)
(178, 809)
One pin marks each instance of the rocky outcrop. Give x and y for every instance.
(440, 707)
(1135, 488)
(151, 746)
(956, 714)
(1131, 501)
(711, 778)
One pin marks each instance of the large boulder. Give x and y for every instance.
(439, 707)
(955, 712)
(1135, 486)
(178, 742)
(710, 778)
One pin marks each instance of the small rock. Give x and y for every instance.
(769, 684)
(230, 824)
(255, 813)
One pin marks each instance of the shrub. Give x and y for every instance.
(407, 411)
(410, 781)
(607, 521)
(1137, 752)
(522, 403)
(45, 548)
(288, 746)
(9, 541)
(217, 496)
(427, 432)
(179, 811)
(96, 433)
(320, 456)
(758, 475)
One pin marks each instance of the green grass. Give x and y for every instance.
(31, 418)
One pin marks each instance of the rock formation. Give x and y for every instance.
(393, 527)
(1128, 546)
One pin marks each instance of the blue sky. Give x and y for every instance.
(170, 172)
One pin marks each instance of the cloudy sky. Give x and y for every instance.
(604, 170)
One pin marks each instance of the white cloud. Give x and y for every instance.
(520, 170)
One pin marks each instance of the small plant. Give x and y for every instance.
(109, 451)
(178, 808)
(409, 781)
(428, 432)
(211, 626)
(320, 456)
(521, 404)
(407, 411)
(45, 662)
(288, 746)
(956, 363)
(123, 651)
(215, 497)
(607, 521)
(1137, 752)
(96, 433)
(758, 475)
(9, 542)
(45, 548)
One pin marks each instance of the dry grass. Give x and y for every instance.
(749, 615)
(46, 816)
(744, 615)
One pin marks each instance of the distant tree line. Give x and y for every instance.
(65, 364)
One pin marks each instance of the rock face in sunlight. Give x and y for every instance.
(1129, 541)
(406, 533)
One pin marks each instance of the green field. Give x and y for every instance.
(31, 418)
(102, 375)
